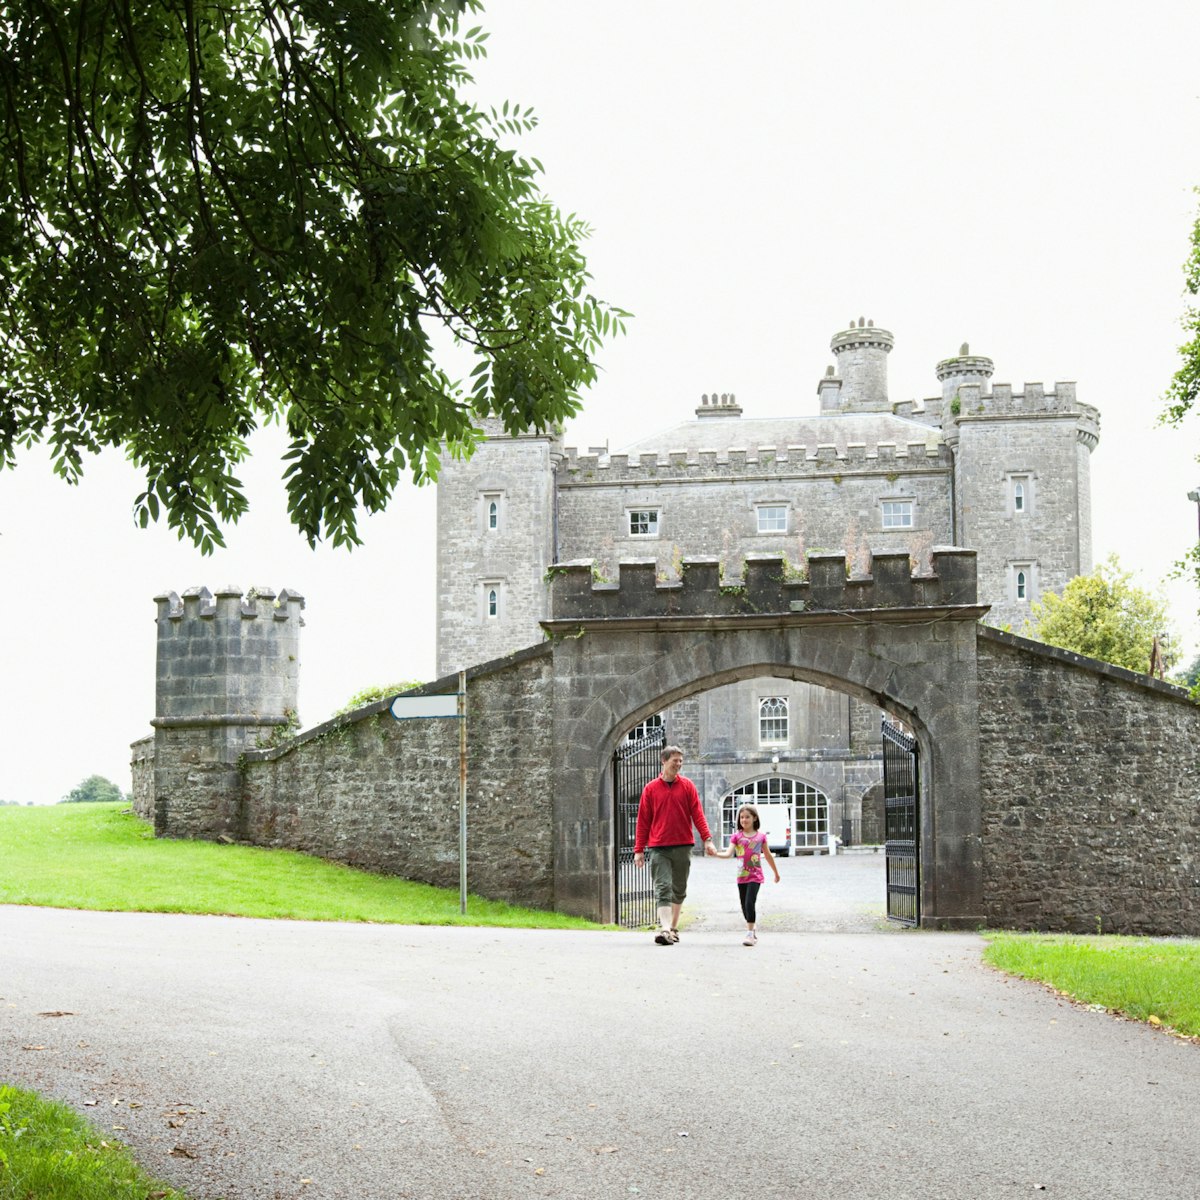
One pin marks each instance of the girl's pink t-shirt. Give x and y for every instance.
(750, 847)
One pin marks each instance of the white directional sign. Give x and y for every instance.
(408, 708)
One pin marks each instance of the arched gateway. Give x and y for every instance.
(1054, 791)
(903, 643)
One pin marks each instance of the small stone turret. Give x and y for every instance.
(227, 675)
(861, 353)
(954, 373)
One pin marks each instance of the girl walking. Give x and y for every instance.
(750, 844)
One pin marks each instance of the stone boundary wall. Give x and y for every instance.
(141, 771)
(765, 587)
(1090, 793)
(369, 791)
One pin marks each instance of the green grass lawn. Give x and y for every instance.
(100, 856)
(1148, 979)
(51, 1153)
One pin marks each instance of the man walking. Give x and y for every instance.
(669, 807)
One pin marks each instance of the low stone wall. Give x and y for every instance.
(1090, 794)
(141, 771)
(381, 794)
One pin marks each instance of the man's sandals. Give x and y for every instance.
(666, 937)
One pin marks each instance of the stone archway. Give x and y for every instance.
(902, 644)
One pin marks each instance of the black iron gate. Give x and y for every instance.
(634, 765)
(902, 829)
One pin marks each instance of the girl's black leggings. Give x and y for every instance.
(748, 895)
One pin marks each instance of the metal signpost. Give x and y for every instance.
(412, 708)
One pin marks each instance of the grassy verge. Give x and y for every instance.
(100, 856)
(1144, 978)
(51, 1153)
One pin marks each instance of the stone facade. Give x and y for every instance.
(980, 466)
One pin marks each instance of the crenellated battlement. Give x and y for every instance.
(227, 657)
(228, 603)
(1000, 400)
(767, 586)
(781, 461)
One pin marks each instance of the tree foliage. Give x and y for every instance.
(1184, 391)
(95, 789)
(1106, 616)
(220, 215)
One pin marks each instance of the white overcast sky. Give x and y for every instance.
(1015, 175)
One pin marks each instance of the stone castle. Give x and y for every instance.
(981, 466)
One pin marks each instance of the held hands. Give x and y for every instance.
(710, 850)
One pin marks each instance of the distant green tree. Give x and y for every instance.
(95, 789)
(1189, 677)
(1106, 616)
(1183, 395)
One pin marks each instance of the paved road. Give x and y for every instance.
(257, 1060)
(843, 893)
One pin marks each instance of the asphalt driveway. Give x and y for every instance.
(257, 1060)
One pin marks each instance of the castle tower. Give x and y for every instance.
(861, 352)
(1022, 483)
(227, 675)
(495, 542)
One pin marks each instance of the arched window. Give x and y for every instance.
(1018, 496)
(773, 721)
(795, 814)
(643, 729)
(493, 602)
(493, 514)
(1022, 586)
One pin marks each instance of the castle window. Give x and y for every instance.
(492, 599)
(773, 721)
(897, 514)
(643, 729)
(643, 522)
(1020, 494)
(1022, 582)
(491, 511)
(772, 518)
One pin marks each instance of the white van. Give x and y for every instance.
(776, 822)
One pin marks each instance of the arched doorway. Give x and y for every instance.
(794, 813)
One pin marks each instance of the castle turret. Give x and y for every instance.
(227, 676)
(861, 353)
(954, 373)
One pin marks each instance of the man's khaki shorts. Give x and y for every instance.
(669, 868)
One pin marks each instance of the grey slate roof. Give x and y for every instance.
(748, 433)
